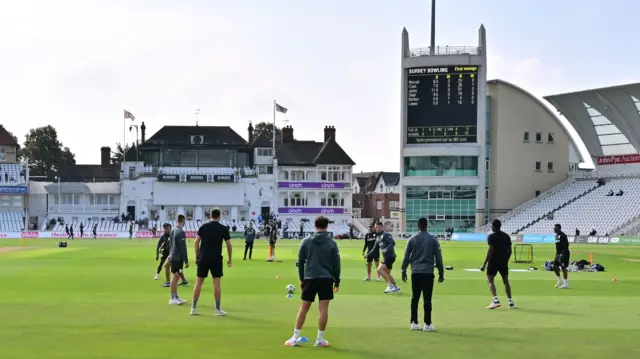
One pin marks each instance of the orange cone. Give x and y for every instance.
(590, 257)
(614, 279)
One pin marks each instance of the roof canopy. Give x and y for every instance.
(606, 119)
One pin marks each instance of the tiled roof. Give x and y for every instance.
(6, 139)
(181, 135)
(390, 178)
(311, 153)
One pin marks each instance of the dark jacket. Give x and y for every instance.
(319, 257)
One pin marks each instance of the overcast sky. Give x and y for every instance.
(78, 64)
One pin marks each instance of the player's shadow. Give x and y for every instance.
(358, 353)
(546, 311)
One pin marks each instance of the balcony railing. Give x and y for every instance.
(445, 50)
(84, 208)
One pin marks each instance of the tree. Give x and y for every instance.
(266, 129)
(117, 156)
(44, 152)
(19, 151)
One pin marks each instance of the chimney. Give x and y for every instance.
(105, 156)
(250, 129)
(287, 134)
(143, 130)
(329, 132)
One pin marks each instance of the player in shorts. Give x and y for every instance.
(369, 243)
(497, 261)
(178, 258)
(386, 245)
(319, 273)
(162, 251)
(561, 262)
(208, 246)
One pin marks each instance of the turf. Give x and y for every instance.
(97, 299)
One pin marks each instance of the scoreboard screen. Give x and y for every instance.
(442, 104)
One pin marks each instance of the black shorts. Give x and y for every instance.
(272, 243)
(213, 266)
(322, 287)
(562, 260)
(163, 258)
(176, 266)
(498, 267)
(374, 257)
(388, 261)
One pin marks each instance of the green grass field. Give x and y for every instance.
(97, 299)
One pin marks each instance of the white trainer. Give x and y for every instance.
(366, 279)
(174, 301)
(292, 342)
(429, 328)
(321, 343)
(396, 289)
(564, 286)
(181, 301)
(494, 305)
(377, 280)
(415, 326)
(220, 313)
(156, 277)
(389, 289)
(193, 311)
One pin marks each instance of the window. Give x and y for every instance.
(265, 170)
(487, 166)
(537, 193)
(379, 205)
(486, 194)
(189, 213)
(538, 136)
(265, 152)
(551, 138)
(381, 188)
(441, 166)
(526, 137)
(538, 166)
(550, 166)
(132, 173)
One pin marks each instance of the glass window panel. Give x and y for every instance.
(613, 139)
(606, 130)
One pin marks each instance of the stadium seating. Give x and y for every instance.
(12, 174)
(11, 221)
(579, 204)
(142, 169)
(596, 210)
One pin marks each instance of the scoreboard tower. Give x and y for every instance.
(443, 135)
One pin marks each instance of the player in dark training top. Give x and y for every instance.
(562, 257)
(162, 251)
(369, 243)
(497, 261)
(208, 246)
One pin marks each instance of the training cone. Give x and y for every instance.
(289, 295)
(614, 279)
(304, 340)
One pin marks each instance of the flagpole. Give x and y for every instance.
(274, 126)
(124, 135)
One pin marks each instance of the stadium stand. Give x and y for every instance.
(579, 204)
(11, 221)
(12, 174)
(599, 209)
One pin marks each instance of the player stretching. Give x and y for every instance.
(562, 257)
(178, 258)
(319, 272)
(497, 261)
(386, 245)
(369, 243)
(162, 251)
(208, 246)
